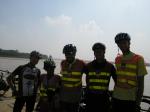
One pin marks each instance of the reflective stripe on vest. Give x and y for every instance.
(99, 80)
(71, 73)
(128, 66)
(101, 73)
(43, 91)
(127, 73)
(97, 88)
(127, 81)
(70, 79)
(73, 85)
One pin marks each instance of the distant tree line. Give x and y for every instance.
(16, 53)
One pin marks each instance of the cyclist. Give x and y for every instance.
(71, 81)
(49, 90)
(29, 77)
(131, 70)
(98, 74)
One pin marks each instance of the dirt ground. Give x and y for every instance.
(7, 103)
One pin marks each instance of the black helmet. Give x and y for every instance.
(36, 54)
(69, 48)
(49, 63)
(122, 36)
(98, 46)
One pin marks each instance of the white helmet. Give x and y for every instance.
(49, 63)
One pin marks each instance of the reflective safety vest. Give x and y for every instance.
(71, 77)
(71, 80)
(98, 80)
(49, 85)
(127, 72)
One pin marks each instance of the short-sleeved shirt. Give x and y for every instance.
(130, 94)
(104, 66)
(28, 82)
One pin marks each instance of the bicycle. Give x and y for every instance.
(144, 107)
(82, 104)
(145, 104)
(4, 87)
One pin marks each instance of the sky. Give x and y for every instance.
(48, 25)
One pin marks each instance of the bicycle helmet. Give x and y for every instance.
(122, 36)
(49, 63)
(69, 49)
(98, 46)
(36, 54)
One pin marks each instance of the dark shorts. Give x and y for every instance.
(20, 101)
(123, 106)
(69, 107)
(97, 103)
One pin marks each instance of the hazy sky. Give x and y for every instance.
(47, 25)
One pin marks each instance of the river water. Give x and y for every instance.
(11, 63)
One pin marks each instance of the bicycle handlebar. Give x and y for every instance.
(5, 71)
(144, 96)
